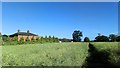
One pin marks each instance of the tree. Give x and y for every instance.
(77, 36)
(56, 39)
(118, 39)
(46, 39)
(5, 38)
(101, 38)
(113, 37)
(50, 39)
(86, 39)
(53, 38)
(41, 40)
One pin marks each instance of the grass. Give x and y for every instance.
(0, 56)
(112, 48)
(55, 54)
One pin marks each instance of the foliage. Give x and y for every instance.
(113, 37)
(101, 38)
(86, 39)
(65, 40)
(77, 36)
(5, 38)
(38, 40)
(118, 39)
(21, 41)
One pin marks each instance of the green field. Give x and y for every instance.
(54, 54)
(112, 48)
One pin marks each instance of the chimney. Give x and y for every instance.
(28, 31)
(18, 30)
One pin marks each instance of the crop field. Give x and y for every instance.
(113, 48)
(55, 54)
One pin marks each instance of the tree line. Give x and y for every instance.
(76, 37)
(77, 34)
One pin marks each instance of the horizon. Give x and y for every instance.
(60, 19)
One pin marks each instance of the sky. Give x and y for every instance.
(60, 18)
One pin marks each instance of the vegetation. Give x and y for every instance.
(102, 39)
(62, 54)
(48, 54)
(110, 38)
(86, 39)
(77, 36)
(65, 40)
(39, 40)
(111, 48)
(46, 51)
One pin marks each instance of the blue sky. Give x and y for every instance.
(60, 18)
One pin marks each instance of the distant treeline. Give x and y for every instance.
(77, 34)
(51, 39)
(103, 38)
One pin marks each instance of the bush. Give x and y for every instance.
(86, 39)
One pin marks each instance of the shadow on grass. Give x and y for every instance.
(97, 59)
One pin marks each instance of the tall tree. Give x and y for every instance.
(50, 39)
(77, 36)
(118, 39)
(101, 38)
(113, 37)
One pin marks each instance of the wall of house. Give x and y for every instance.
(30, 37)
(35, 37)
(25, 37)
(19, 37)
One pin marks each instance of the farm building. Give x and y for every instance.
(24, 35)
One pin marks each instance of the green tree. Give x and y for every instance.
(50, 39)
(102, 38)
(86, 39)
(42, 39)
(118, 39)
(53, 38)
(5, 38)
(77, 36)
(56, 39)
(113, 37)
(46, 39)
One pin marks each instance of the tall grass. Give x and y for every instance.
(54, 54)
(112, 48)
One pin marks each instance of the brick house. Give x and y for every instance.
(24, 35)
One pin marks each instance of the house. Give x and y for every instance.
(24, 35)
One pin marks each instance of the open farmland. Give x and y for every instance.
(53, 54)
(57, 54)
(112, 48)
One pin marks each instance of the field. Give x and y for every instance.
(55, 54)
(112, 48)
(0, 56)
